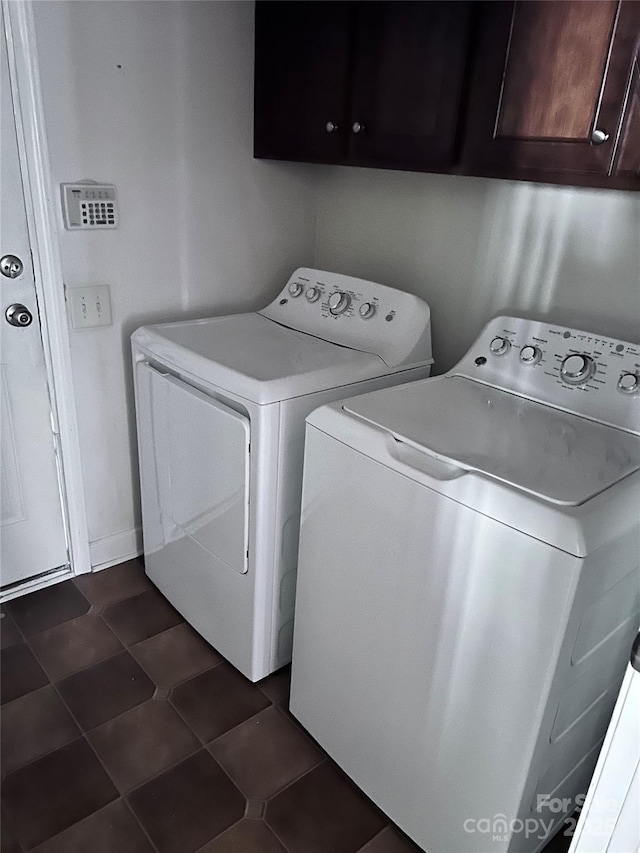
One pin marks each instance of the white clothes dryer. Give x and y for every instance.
(468, 583)
(220, 409)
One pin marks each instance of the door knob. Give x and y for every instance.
(330, 127)
(356, 127)
(598, 137)
(11, 266)
(18, 315)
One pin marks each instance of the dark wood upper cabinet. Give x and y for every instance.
(540, 90)
(550, 90)
(366, 83)
(301, 65)
(408, 68)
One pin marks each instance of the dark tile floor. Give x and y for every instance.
(124, 732)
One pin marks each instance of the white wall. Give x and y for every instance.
(157, 97)
(475, 247)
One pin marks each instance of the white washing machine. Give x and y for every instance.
(468, 583)
(220, 408)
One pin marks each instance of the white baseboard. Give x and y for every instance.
(116, 548)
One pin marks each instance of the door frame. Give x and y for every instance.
(40, 202)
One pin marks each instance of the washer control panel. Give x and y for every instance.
(355, 313)
(592, 375)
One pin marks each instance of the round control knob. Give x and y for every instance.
(530, 354)
(313, 294)
(295, 288)
(628, 383)
(577, 369)
(339, 302)
(499, 346)
(367, 309)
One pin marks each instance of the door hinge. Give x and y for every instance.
(55, 429)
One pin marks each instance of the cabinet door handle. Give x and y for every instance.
(330, 127)
(598, 137)
(357, 127)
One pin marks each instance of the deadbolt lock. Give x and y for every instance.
(11, 266)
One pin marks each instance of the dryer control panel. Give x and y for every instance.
(592, 375)
(355, 313)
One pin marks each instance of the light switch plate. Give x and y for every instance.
(90, 306)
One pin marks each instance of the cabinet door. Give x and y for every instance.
(548, 86)
(627, 155)
(409, 63)
(301, 58)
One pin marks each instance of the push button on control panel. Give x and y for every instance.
(629, 383)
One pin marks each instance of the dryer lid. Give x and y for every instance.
(559, 457)
(256, 358)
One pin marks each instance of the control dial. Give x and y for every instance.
(629, 383)
(499, 346)
(295, 288)
(577, 369)
(339, 302)
(313, 294)
(530, 354)
(367, 309)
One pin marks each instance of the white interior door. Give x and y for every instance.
(32, 534)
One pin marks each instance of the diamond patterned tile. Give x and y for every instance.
(32, 726)
(21, 672)
(9, 633)
(105, 690)
(140, 617)
(265, 753)
(175, 655)
(277, 686)
(261, 785)
(323, 813)
(8, 841)
(113, 829)
(47, 607)
(75, 645)
(217, 700)
(187, 806)
(390, 841)
(54, 792)
(114, 584)
(142, 742)
(246, 836)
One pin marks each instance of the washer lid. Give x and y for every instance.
(556, 456)
(256, 358)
